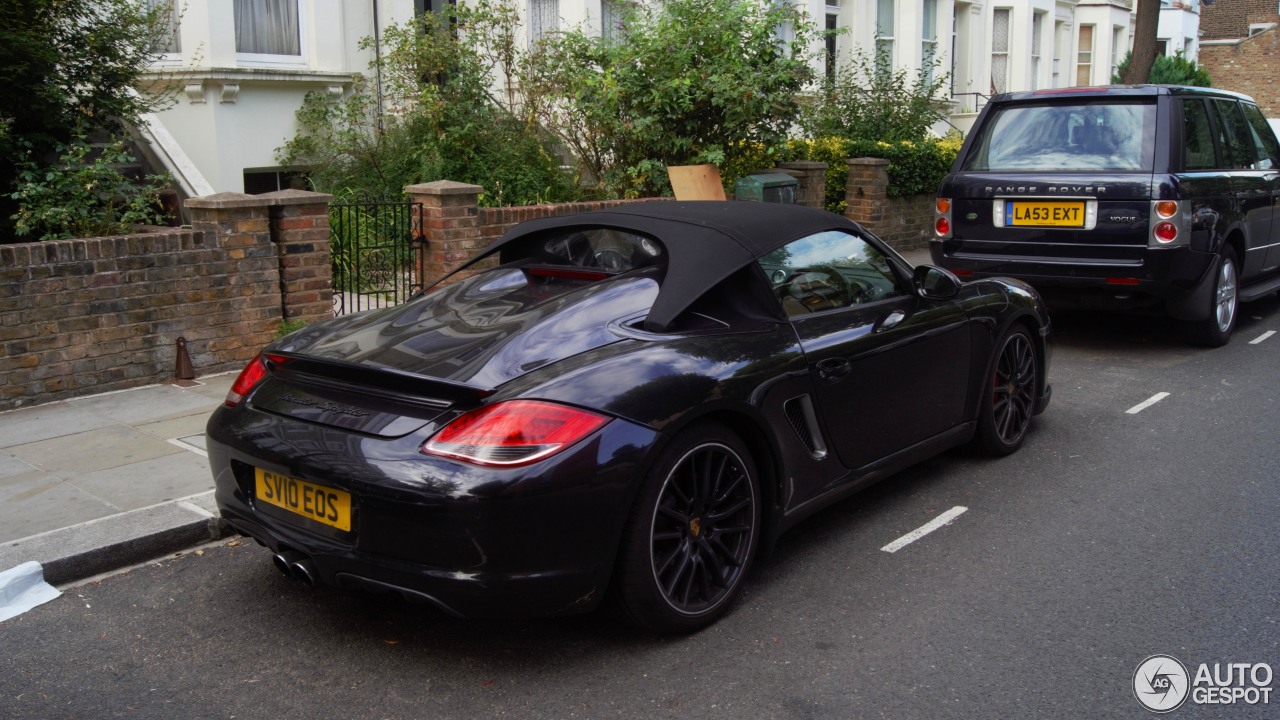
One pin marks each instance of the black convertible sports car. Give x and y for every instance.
(629, 403)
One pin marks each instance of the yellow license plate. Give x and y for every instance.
(315, 502)
(1044, 214)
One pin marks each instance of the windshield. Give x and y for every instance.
(1067, 138)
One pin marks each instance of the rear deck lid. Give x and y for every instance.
(388, 372)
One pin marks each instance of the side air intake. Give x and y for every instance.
(799, 411)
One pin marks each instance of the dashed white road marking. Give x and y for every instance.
(1147, 403)
(1262, 337)
(943, 519)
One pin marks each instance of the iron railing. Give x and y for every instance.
(378, 252)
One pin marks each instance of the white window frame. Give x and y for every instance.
(928, 42)
(175, 10)
(265, 59)
(1085, 54)
(611, 21)
(886, 41)
(1118, 48)
(831, 44)
(1037, 46)
(1008, 40)
(542, 32)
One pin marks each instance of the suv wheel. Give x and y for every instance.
(1215, 330)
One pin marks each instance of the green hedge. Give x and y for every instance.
(914, 167)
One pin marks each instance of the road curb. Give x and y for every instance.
(117, 541)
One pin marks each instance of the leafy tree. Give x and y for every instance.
(866, 102)
(71, 67)
(1166, 70)
(434, 117)
(681, 82)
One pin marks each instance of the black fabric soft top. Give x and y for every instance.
(705, 241)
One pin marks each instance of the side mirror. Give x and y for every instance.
(935, 283)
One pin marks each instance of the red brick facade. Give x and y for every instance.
(1230, 19)
(1249, 66)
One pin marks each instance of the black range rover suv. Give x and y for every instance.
(1125, 196)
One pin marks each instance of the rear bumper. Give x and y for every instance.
(456, 592)
(528, 542)
(1169, 275)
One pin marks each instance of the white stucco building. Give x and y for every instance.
(244, 66)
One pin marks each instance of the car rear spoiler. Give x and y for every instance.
(374, 380)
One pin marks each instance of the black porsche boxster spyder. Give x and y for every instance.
(624, 403)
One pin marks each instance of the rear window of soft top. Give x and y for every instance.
(1067, 137)
(606, 250)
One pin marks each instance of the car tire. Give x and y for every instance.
(692, 534)
(1224, 304)
(1009, 398)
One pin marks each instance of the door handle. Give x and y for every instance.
(833, 369)
(891, 319)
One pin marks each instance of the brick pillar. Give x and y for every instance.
(450, 225)
(239, 225)
(812, 176)
(867, 193)
(300, 229)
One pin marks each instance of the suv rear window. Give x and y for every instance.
(1077, 137)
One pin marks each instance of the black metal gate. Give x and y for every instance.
(377, 251)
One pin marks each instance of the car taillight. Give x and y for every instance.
(942, 224)
(516, 432)
(1170, 224)
(252, 374)
(1166, 232)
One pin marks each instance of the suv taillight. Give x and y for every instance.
(511, 433)
(942, 223)
(1170, 226)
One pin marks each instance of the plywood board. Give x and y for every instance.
(696, 182)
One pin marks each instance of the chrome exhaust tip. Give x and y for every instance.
(304, 571)
(284, 561)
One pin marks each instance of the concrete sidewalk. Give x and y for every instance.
(93, 484)
(98, 483)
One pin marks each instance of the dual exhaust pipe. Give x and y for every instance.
(295, 565)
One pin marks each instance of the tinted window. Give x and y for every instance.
(1197, 137)
(829, 270)
(1263, 138)
(1234, 135)
(1067, 138)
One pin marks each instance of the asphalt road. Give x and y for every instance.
(1110, 537)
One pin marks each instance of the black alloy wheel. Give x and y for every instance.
(1008, 407)
(692, 535)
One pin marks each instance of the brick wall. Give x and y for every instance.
(1228, 19)
(1249, 66)
(905, 223)
(90, 315)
